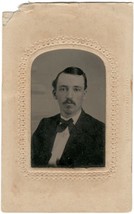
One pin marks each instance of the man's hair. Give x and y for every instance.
(71, 70)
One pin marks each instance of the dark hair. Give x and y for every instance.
(71, 70)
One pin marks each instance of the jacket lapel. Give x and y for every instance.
(75, 141)
(49, 137)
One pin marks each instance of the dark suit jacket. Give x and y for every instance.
(85, 146)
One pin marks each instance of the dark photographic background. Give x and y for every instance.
(44, 70)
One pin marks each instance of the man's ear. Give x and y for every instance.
(85, 93)
(54, 94)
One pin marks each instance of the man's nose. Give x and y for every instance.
(70, 93)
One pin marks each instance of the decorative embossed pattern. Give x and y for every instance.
(24, 109)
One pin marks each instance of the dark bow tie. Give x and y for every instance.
(64, 124)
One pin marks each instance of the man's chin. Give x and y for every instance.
(69, 111)
(69, 107)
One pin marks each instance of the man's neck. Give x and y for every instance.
(75, 117)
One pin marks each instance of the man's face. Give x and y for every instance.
(70, 93)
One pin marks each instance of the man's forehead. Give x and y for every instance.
(73, 79)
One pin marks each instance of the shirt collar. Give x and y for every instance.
(75, 117)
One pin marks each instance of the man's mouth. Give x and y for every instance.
(69, 102)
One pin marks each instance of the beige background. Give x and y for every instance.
(44, 70)
(101, 28)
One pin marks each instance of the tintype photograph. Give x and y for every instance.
(68, 109)
(67, 98)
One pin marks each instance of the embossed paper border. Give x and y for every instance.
(24, 110)
(104, 29)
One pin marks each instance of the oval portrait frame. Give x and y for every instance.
(24, 110)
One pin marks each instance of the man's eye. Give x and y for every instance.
(63, 89)
(77, 89)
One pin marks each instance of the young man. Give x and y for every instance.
(71, 138)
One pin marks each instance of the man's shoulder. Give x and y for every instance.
(50, 119)
(88, 119)
(47, 122)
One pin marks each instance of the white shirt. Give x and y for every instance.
(60, 141)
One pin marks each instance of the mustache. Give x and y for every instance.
(69, 101)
